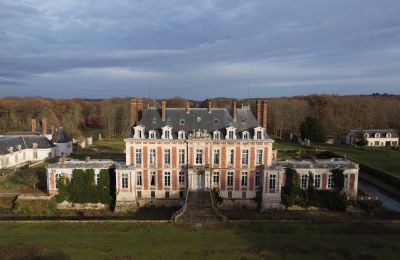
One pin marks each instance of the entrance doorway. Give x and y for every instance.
(199, 181)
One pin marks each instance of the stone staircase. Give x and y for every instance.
(198, 210)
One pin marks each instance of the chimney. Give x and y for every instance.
(187, 106)
(209, 106)
(33, 124)
(264, 115)
(44, 126)
(259, 111)
(133, 112)
(139, 108)
(53, 130)
(234, 112)
(163, 109)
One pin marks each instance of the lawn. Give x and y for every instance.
(383, 159)
(117, 145)
(288, 149)
(116, 240)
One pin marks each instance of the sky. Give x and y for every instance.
(198, 49)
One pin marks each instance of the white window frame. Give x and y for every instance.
(199, 157)
(125, 181)
(138, 156)
(231, 157)
(216, 177)
(229, 179)
(317, 180)
(330, 181)
(245, 156)
(167, 179)
(259, 156)
(217, 135)
(244, 179)
(245, 135)
(272, 182)
(152, 156)
(153, 174)
(182, 156)
(216, 157)
(139, 179)
(181, 135)
(167, 156)
(152, 134)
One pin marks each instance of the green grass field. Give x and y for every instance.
(287, 149)
(383, 159)
(107, 240)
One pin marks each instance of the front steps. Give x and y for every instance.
(198, 210)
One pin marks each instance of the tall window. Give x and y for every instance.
(35, 154)
(245, 156)
(58, 176)
(167, 156)
(139, 179)
(216, 156)
(330, 181)
(167, 134)
(181, 178)
(231, 134)
(245, 135)
(125, 180)
(303, 181)
(258, 179)
(138, 156)
(199, 156)
(259, 155)
(231, 156)
(258, 135)
(272, 182)
(97, 178)
(346, 181)
(152, 179)
(152, 135)
(317, 181)
(216, 177)
(216, 135)
(182, 156)
(167, 179)
(229, 180)
(244, 179)
(152, 156)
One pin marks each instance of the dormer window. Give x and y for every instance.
(181, 135)
(166, 132)
(366, 135)
(388, 135)
(182, 122)
(217, 135)
(152, 134)
(258, 133)
(154, 120)
(138, 132)
(198, 119)
(245, 135)
(231, 133)
(216, 121)
(377, 135)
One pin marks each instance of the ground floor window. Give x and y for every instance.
(272, 182)
(330, 181)
(216, 177)
(139, 179)
(229, 180)
(244, 179)
(317, 181)
(304, 180)
(58, 176)
(153, 194)
(139, 194)
(346, 181)
(124, 180)
(230, 194)
(167, 194)
(181, 178)
(181, 194)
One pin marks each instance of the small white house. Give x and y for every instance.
(374, 137)
(63, 142)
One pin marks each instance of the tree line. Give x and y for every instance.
(337, 114)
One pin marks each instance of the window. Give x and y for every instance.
(153, 194)
(181, 194)
(97, 179)
(167, 194)
(58, 176)
(377, 143)
(181, 135)
(124, 180)
(139, 179)
(152, 135)
(154, 120)
(259, 155)
(303, 181)
(243, 194)
(139, 194)
(167, 179)
(388, 135)
(216, 121)
(152, 179)
(231, 156)
(245, 156)
(377, 135)
(231, 134)
(182, 156)
(245, 135)
(272, 182)
(199, 156)
(330, 181)
(259, 135)
(198, 119)
(35, 154)
(152, 156)
(167, 134)
(317, 181)
(244, 179)
(181, 178)
(258, 179)
(138, 156)
(167, 156)
(216, 177)
(230, 194)
(229, 180)
(217, 135)
(216, 156)
(346, 181)
(182, 122)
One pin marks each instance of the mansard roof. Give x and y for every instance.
(198, 118)
(372, 132)
(60, 136)
(26, 142)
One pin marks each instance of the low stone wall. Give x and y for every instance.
(228, 204)
(78, 206)
(159, 203)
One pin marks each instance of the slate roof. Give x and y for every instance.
(372, 132)
(198, 119)
(26, 142)
(60, 136)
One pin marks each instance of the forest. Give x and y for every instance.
(110, 117)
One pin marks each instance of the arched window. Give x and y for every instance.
(377, 135)
(217, 135)
(245, 135)
(230, 132)
(166, 132)
(152, 134)
(181, 135)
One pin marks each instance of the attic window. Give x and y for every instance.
(198, 119)
(243, 121)
(154, 120)
(168, 120)
(182, 122)
(216, 121)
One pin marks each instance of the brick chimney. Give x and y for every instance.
(259, 112)
(265, 115)
(33, 125)
(53, 130)
(234, 111)
(133, 112)
(209, 106)
(44, 126)
(187, 106)
(139, 108)
(163, 109)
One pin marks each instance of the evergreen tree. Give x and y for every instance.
(312, 129)
(338, 178)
